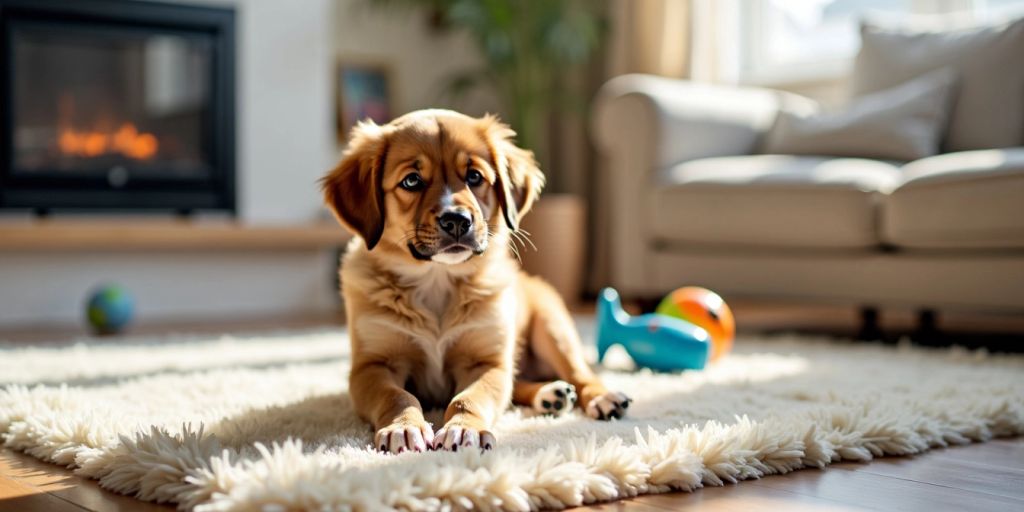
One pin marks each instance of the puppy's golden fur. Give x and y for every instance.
(439, 312)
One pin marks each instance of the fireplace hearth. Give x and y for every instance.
(116, 105)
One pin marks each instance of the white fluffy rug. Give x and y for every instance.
(243, 424)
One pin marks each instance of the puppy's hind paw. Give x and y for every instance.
(555, 398)
(611, 405)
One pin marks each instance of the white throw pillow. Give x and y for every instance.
(904, 123)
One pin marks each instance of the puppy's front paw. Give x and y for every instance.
(555, 398)
(454, 436)
(610, 405)
(403, 436)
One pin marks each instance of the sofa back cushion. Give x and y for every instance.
(988, 111)
(904, 123)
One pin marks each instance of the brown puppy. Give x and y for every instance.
(439, 312)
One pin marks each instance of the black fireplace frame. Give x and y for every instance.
(47, 194)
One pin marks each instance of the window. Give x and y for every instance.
(806, 40)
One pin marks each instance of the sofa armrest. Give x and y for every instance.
(643, 124)
(682, 120)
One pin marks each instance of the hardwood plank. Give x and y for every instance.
(164, 235)
(948, 472)
(1005, 453)
(760, 315)
(61, 483)
(18, 497)
(755, 316)
(861, 489)
(631, 505)
(739, 498)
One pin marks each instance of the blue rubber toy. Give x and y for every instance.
(658, 342)
(110, 309)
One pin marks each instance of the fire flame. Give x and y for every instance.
(126, 140)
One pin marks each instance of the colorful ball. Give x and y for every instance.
(705, 309)
(110, 309)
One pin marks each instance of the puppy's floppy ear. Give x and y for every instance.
(519, 178)
(353, 189)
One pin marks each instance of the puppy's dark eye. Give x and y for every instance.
(474, 178)
(413, 182)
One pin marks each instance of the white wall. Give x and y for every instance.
(286, 114)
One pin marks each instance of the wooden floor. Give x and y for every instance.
(981, 477)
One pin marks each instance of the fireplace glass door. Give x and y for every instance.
(117, 104)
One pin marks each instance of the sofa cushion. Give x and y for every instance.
(771, 201)
(989, 107)
(905, 123)
(972, 199)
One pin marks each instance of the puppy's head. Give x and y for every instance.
(433, 185)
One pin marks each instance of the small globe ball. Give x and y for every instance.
(110, 309)
(705, 309)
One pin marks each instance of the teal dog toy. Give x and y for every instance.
(658, 342)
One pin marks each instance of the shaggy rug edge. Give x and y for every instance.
(193, 471)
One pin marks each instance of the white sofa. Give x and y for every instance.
(685, 200)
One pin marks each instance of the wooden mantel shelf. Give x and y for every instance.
(165, 235)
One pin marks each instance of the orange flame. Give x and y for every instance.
(126, 140)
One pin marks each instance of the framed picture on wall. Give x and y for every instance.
(362, 91)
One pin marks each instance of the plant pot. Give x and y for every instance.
(557, 226)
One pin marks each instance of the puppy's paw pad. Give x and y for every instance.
(611, 405)
(403, 437)
(555, 398)
(453, 438)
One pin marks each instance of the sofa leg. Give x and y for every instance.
(927, 332)
(870, 328)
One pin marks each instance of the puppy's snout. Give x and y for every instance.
(455, 223)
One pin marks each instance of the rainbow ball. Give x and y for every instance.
(705, 309)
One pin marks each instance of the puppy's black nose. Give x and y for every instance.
(455, 223)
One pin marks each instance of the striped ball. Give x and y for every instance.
(705, 309)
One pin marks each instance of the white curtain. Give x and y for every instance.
(716, 41)
(649, 36)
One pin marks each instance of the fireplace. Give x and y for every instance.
(116, 105)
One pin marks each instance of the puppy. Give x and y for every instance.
(439, 313)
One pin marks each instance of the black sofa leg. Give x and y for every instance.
(927, 332)
(870, 328)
